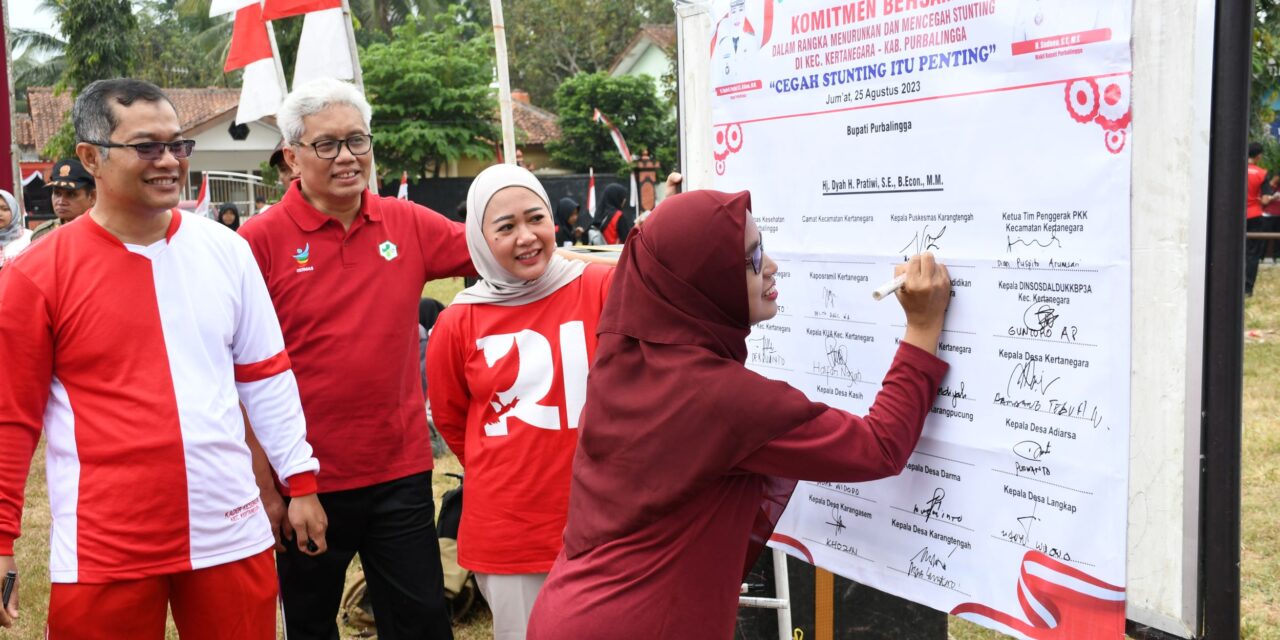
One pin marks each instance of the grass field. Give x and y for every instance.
(1260, 543)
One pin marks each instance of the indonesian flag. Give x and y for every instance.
(324, 48)
(403, 194)
(622, 148)
(204, 207)
(614, 133)
(591, 192)
(260, 93)
(275, 9)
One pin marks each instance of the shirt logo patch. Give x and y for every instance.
(303, 255)
(388, 250)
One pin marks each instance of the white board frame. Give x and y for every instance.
(1169, 202)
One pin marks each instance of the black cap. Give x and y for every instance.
(277, 156)
(69, 174)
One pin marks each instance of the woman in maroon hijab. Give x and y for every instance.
(687, 458)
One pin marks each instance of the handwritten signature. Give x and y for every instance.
(837, 364)
(1039, 316)
(1043, 244)
(933, 508)
(1025, 376)
(766, 353)
(838, 521)
(929, 562)
(1032, 450)
(923, 241)
(956, 394)
(828, 298)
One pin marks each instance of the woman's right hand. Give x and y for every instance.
(924, 297)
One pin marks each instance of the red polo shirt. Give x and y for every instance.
(347, 300)
(1253, 196)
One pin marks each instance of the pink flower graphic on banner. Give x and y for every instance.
(1104, 102)
(1059, 602)
(728, 140)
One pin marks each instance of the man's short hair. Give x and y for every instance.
(1255, 149)
(92, 113)
(312, 98)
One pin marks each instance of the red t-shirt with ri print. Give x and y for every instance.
(507, 387)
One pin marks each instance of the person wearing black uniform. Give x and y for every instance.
(74, 192)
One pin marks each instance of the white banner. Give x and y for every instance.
(995, 134)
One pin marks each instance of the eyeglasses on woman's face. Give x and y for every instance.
(756, 260)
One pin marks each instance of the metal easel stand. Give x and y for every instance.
(783, 600)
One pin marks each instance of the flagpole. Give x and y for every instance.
(351, 46)
(275, 56)
(12, 138)
(504, 83)
(358, 80)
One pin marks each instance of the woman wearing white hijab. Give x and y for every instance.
(507, 365)
(14, 235)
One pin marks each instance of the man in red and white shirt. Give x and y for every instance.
(131, 336)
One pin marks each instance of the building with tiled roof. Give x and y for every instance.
(198, 108)
(650, 53)
(208, 117)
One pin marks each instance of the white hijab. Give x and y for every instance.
(17, 220)
(499, 286)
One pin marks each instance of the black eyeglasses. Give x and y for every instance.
(757, 257)
(153, 150)
(358, 145)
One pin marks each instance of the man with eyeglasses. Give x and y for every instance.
(72, 193)
(345, 268)
(131, 338)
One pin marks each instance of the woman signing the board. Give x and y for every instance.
(686, 458)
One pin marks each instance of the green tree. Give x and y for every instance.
(432, 96)
(100, 36)
(1265, 67)
(551, 40)
(628, 102)
(38, 62)
(168, 54)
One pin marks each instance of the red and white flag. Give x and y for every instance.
(403, 194)
(204, 206)
(591, 192)
(324, 48)
(276, 9)
(619, 142)
(262, 88)
(613, 132)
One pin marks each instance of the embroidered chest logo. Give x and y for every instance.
(303, 257)
(388, 250)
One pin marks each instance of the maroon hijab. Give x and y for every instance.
(670, 407)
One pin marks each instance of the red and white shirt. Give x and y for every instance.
(348, 304)
(507, 387)
(135, 361)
